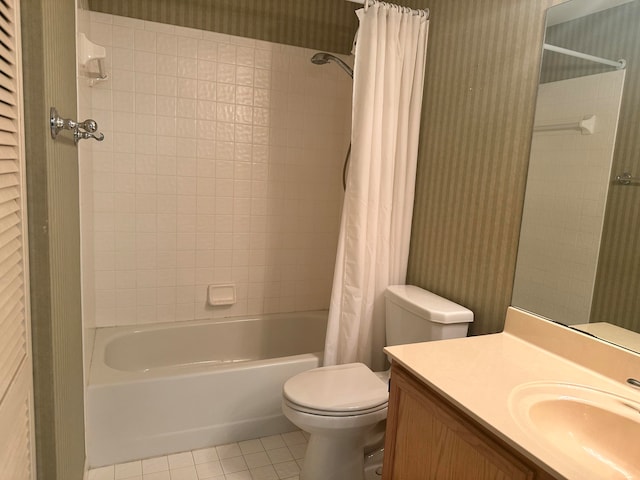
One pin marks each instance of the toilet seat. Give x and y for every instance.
(326, 413)
(340, 390)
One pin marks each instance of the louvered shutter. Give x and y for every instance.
(16, 397)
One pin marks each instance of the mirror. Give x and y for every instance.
(579, 252)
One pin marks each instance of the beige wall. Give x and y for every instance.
(52, 188)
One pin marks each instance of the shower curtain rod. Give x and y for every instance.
(619, 64)
(370, 2)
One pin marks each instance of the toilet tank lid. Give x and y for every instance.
(428, 305)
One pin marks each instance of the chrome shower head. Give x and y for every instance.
(322, 58)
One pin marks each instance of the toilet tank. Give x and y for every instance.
(415, 315)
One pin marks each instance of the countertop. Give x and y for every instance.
(612, 333)
(478, 374)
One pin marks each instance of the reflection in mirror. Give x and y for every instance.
(579, 252)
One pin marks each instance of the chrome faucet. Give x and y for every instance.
(633, 382)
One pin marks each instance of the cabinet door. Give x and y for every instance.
(429, 439)
(17, 458)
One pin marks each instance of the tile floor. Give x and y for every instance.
(276, 457)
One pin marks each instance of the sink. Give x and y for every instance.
(596, 430)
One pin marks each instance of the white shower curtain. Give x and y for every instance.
(373, 246)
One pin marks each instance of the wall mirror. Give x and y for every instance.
(579, 252)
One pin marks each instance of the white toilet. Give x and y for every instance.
(340, 405)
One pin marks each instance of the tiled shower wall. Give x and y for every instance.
(566, 198)
(221, 164)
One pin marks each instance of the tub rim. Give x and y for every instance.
(100, 374)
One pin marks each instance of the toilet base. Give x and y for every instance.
(336, 446)
(332, 458)
(373, 465)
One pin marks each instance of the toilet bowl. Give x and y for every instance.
(338, 406)
(342, 406)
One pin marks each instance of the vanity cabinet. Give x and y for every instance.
(428, 438)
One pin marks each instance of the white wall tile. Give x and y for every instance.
(187, 47)
(244, 76)
(187, 67)
(122, 58)
(145, 82)
(227, 53)
(244, 95)
(167, 44)
(187, 88)
(222, 148)
(225, 93)
(124, 21)
(98, 17)
(123, 37)
(144, 61)
(145, 40)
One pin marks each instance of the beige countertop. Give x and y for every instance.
(612, 333)
(479, 374)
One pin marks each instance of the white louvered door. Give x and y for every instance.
(16, 385)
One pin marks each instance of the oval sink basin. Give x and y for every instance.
(594, 429)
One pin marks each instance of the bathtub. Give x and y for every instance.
(168, 388)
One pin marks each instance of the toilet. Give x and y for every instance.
(341, 405)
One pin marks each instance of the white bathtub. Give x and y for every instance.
(168, 388)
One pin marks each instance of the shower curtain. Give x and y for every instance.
(373, 246)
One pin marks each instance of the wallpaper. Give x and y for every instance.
(323, 25)
(482, 73)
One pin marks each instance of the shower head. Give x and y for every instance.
(321, 58)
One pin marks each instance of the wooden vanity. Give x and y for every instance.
(462, 409)
(428, 438)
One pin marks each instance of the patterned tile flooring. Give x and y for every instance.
(277, 457)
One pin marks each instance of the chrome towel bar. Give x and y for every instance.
(627, 179)
(586, 126)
